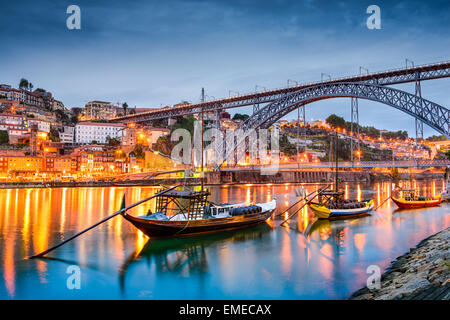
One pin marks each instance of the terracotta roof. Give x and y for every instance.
(106, 124)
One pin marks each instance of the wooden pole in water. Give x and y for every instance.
(307, 202)
(280, 214)
(122, 210)
(395, 191)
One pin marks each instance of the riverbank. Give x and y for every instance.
(308, 176)
(89, 184)
(421, 274)
(230, 178)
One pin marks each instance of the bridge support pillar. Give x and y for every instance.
(354, 128)
(419, 123)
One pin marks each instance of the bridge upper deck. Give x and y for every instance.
(389, 77)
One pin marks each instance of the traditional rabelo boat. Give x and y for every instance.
(410, 199)
(186, 212)
(333, 205)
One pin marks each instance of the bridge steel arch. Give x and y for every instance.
(432, 114)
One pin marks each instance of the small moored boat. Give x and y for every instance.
(411, 200)
(332, 205)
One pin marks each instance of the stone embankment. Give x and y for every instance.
(98, 183)
(227, 177)
(291, 176)
(421, 274)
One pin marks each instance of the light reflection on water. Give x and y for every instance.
(306, 259)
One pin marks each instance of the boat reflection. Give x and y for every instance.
(398, 210)
(188, 255)
(333, 234)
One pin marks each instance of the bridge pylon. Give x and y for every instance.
(419, 123)
(354, 127)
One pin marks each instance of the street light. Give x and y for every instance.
(289, 80)
(360, 70)
(256, 88)
(406, 62)
(358, 154)
(324, 74)
(230, 91)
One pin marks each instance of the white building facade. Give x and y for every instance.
(67, 135)
(87, 132)
(42, 125)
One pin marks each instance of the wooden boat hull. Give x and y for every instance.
(402, 203)
(164, 228)
(323, 212)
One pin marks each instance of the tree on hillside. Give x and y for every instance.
(125, 107)
(75, 113)
(335, 121)
(62, 116)
(54, 135)
(4, 137)
(114, 142)
(286, 147)
(139, 151)
(239, 116)
(185, 123)
(23, 84)
(437, 138)
(395, 135)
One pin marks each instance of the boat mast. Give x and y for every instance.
(410, 170)
(201, 165)
(336, 160)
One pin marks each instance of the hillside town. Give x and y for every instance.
(41, 139)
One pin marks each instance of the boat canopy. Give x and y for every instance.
(184, 194)
(190, 204)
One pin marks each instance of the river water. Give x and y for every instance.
(308, 259)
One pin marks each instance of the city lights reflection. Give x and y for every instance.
(307, 254)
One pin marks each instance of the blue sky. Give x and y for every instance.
(153, 53)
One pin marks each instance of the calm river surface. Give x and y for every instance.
(307, 260)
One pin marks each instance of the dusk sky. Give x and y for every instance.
(157, 53)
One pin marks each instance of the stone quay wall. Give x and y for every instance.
(421, 274)
(242, 177)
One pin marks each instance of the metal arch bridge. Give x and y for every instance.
(390, 77)
(432, 114)
(346, 164)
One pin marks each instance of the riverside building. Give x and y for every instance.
(89, 132)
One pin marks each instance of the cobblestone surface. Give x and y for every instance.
(421, 274)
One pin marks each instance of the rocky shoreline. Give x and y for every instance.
(421, 274)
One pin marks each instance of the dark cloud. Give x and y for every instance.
(160, 52)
